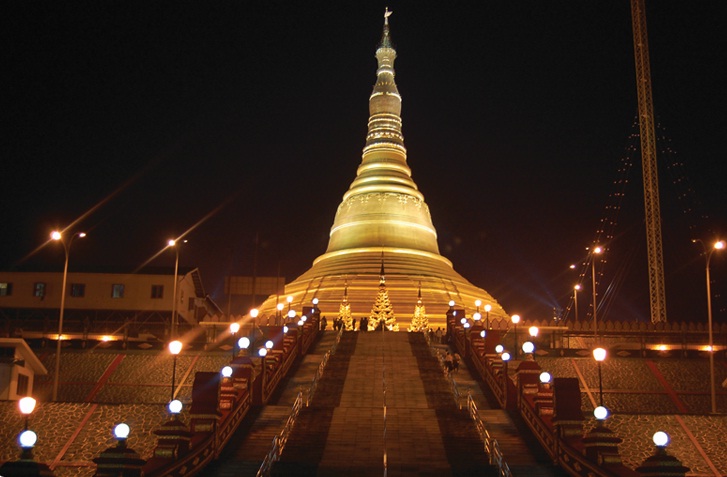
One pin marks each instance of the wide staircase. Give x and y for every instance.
(382, 408)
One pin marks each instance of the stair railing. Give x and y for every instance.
(492, 448)
(281, 439)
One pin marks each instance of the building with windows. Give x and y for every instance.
(108, 304)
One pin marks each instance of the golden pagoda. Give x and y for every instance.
(383, 216)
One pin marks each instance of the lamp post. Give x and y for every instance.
(599, 354)
(26, 406)
(173, 244)
(234, 328)
(515, 320)
(719, 245)
(596, 251)
(57, 236)
(174, 347)
(488, 307)
(576, 288)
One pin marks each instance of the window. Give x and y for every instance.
(39, 289)
(157, 291)
(6, 289)
(78, 290)
(117, 290)
(22, 389)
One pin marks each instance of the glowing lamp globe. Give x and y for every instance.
(301, 322)
(175, 347)
(506, 356)
(515, 319)
(244, 342)
(175, 407)
(226, 371)
(528, 347)
(477, 316)
(545, 377)
(661, 439)
(483, 334)
(254, 312)
(234, 328)
(600, 413)
(262, 352)
(499, 349)
(291, 314)
(121, 431)
(269, 344)
(315, 301)
(463, 320)
(26, 405)
(466, 324)
(27, 439)
(285, 329)
(599, 354)
(451, 303)
(533, 331)
(488, 307)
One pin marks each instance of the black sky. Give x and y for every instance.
(516, 117)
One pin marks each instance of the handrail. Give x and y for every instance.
(492, 448)
(281, 439)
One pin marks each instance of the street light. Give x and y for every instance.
(175, 347)
(719, 245)
(515, 320)
(173, 244)
(234, 328)
(596, 251)
(58, 237)
(575, 299)
(599, 354)
(488, 307)
(26, 405)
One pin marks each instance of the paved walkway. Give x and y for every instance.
(383, 407)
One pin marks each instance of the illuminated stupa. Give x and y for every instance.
(383, 216)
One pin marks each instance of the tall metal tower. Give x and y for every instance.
(648, 163)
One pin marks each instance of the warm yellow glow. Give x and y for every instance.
(175, 347)
(719, 245)
(705, 348)
(279, 306)
(234, 327)
(533, 331)
(451, 303)
(171, 242)
(488, 307)
(289, 299)
(477, 316)
(26, 405)
(577, 287)
(56, 235)
(478, 303)
(598, 250)
(599, 354)
(107, 338)
(515, 319)
(254, 312)
(662, 347)
(243, 342)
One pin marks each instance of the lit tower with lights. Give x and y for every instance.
(383, 212)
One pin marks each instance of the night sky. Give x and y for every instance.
(227, 121)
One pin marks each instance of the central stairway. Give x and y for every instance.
(383, 407)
